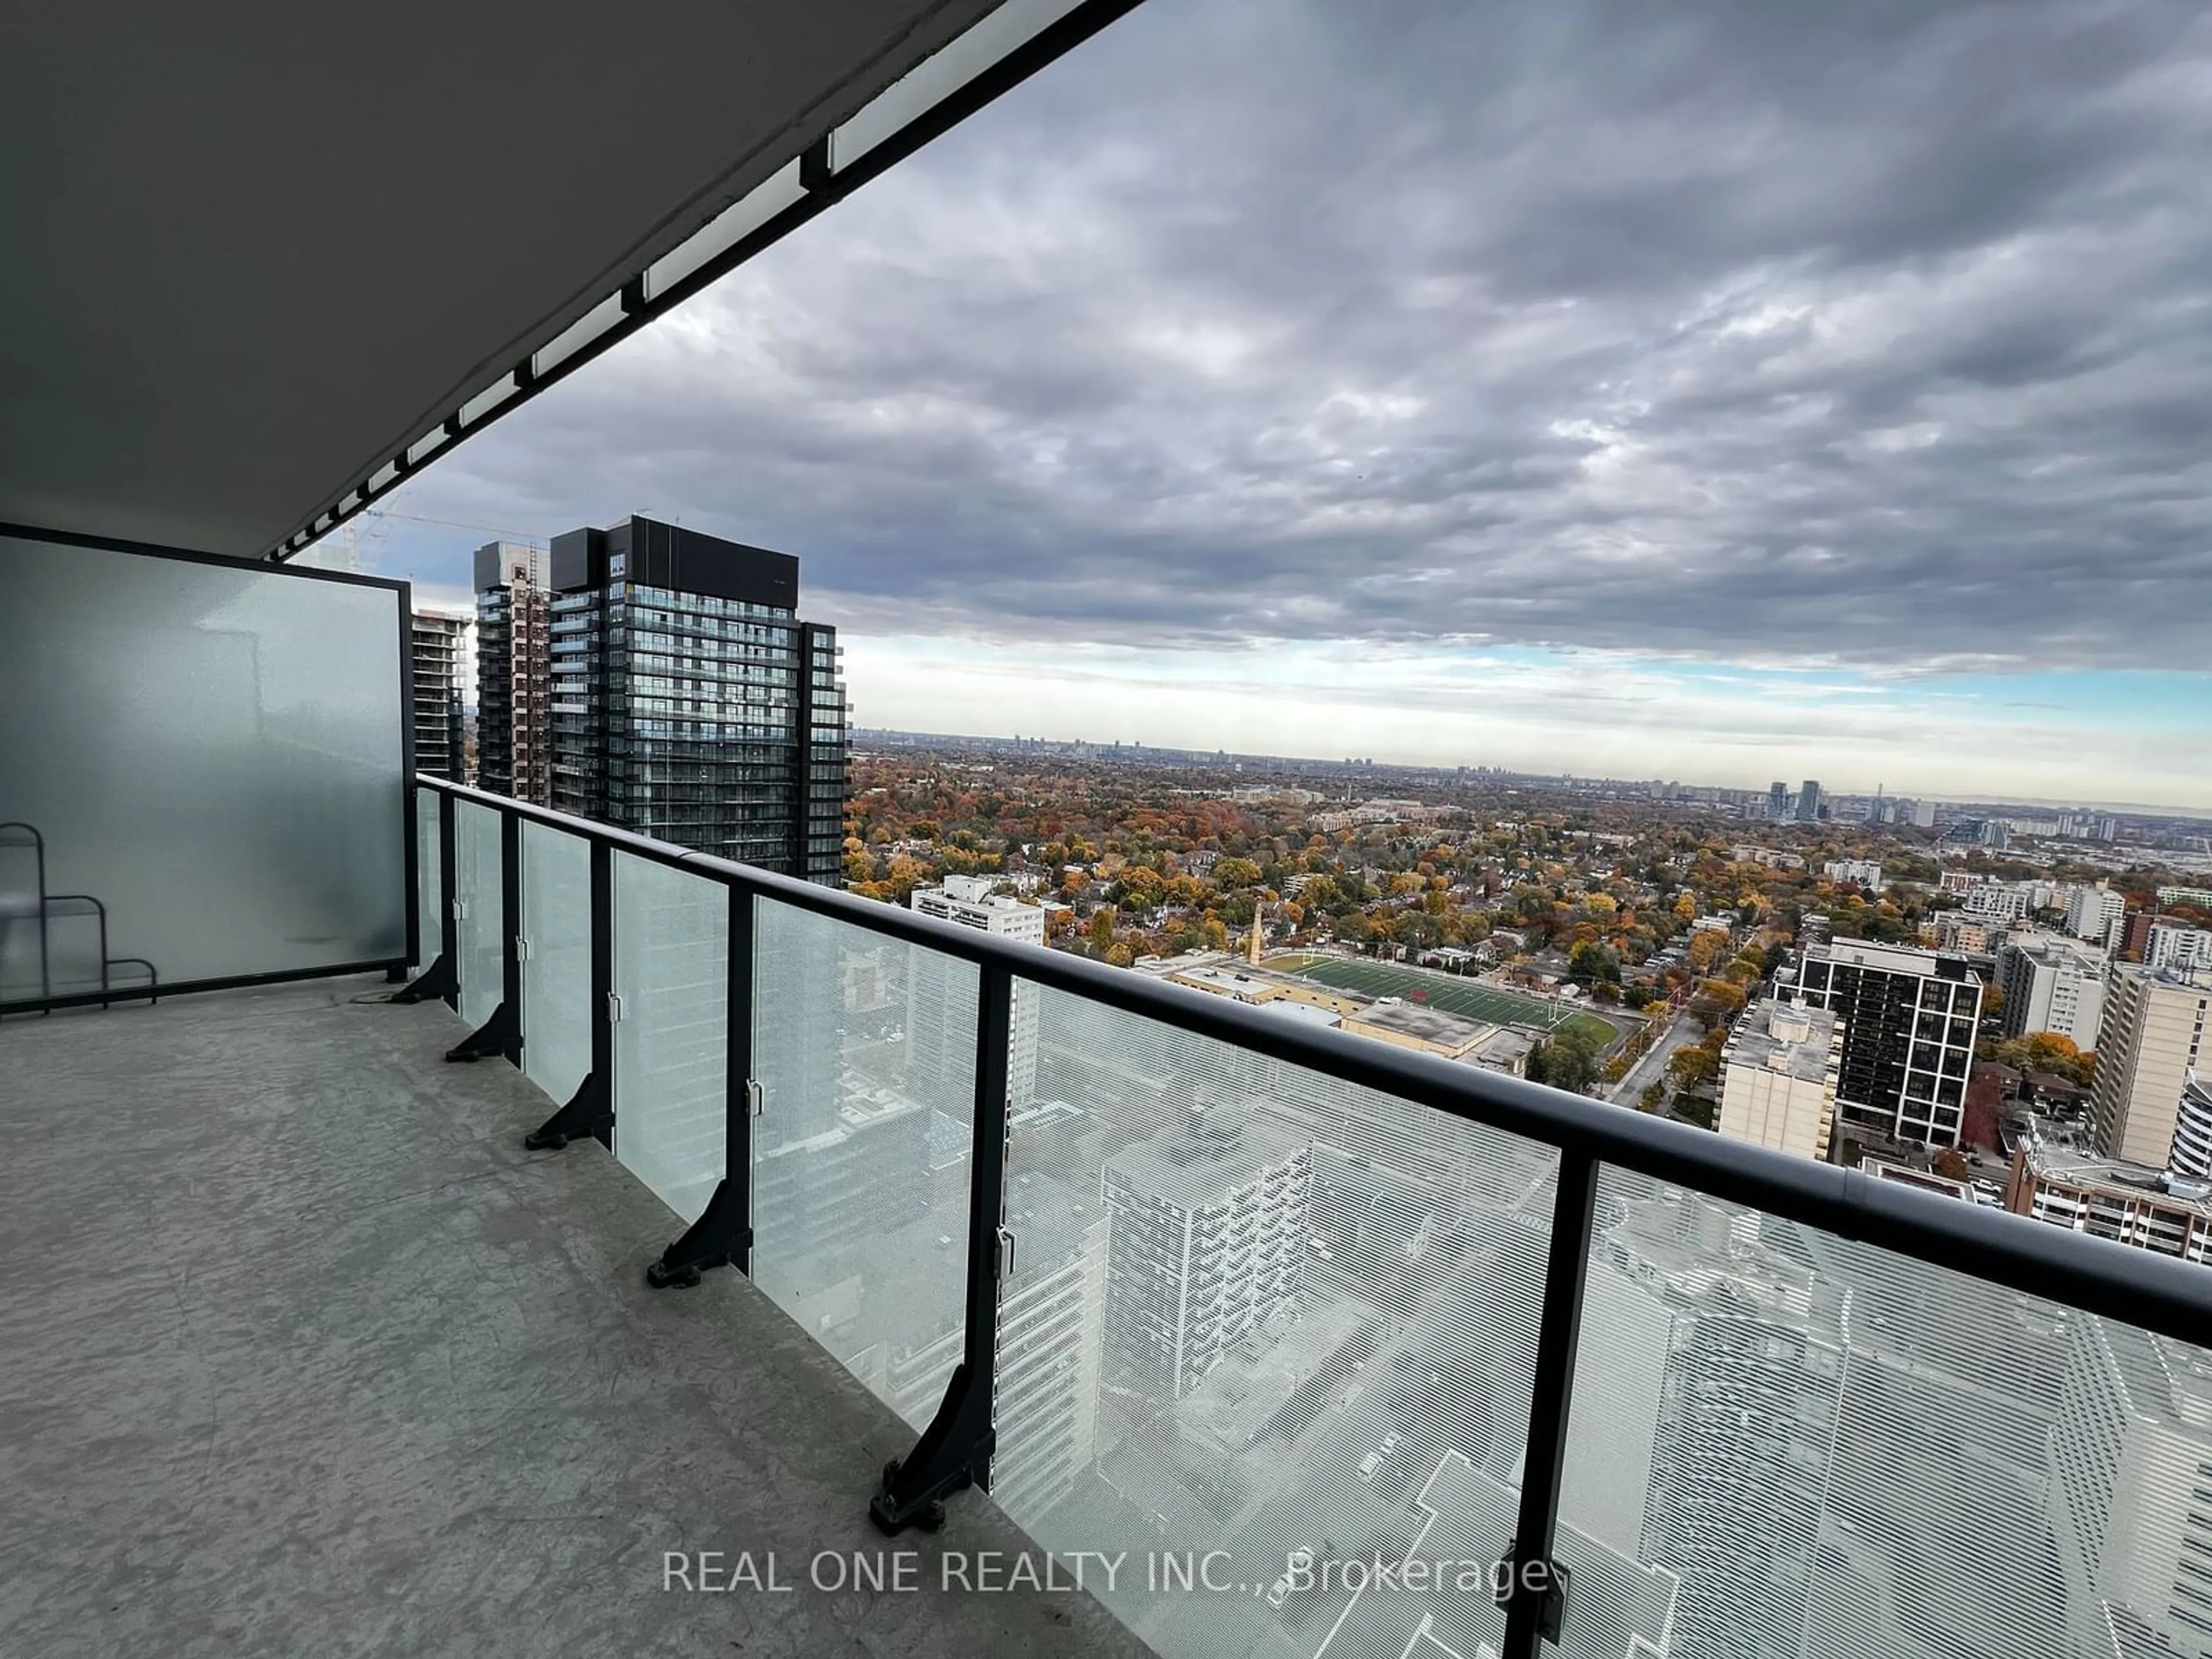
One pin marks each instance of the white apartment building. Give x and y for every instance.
(1208, 1237)
(1773, 857)
(2096, 912)
(2201, 897)
(1867, 872)
(941, 1000)
(2154, 1037)
(970, 901)
(2172, 944)
(1996, 902)
(1779, 1077)
(2052, 983)
(1962, 934)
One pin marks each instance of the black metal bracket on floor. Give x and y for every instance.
(500, 1036)
(953, 1454)
(588, 1113)
(719, 1237)
(436, 983)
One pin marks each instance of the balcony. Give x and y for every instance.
(399, 1238)
(307, 1354)
(342, 1322)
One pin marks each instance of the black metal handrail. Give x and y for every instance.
(2156, 1292)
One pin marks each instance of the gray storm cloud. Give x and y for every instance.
(1874, 332)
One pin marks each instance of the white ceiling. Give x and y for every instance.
(252, 247)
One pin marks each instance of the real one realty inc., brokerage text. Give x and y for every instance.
(1212, 1572)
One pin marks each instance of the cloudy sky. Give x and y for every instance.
(1726, 392)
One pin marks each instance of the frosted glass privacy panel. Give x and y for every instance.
(1259, 1311)
(865, 1048)
(671, 1044)
(556, 968)
(1788, 1442)
(480, 892)
(430, 879)
(213, 752)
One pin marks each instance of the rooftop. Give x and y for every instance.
(1784, 1038)
(2056, 1150)
(1305, 1013)
(1890, 959)
(1427, 1025)
(1225, 981)
(308, 1355)
(1198, 1169)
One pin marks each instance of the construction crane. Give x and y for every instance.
(350, 547)
(524, 537)
(358, 543)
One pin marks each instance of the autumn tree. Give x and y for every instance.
(1693, 1069)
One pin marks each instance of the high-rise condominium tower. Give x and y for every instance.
(514, 755)
(2153, 1036)
(439, 641)
(1909, 1018)
(684, 696)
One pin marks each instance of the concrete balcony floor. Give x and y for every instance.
(301, 1353)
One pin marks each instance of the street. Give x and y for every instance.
(1653, 1066)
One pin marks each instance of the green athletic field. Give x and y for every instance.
(1462, 997)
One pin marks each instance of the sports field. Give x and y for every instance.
(1462, 997)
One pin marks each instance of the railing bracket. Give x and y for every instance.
(500, 1035)
(436, 983)
(953, 1454)
(719, 1237)
(589, 1113)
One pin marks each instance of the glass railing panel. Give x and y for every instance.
(477, 874)
(556, 966)
(429, 880)
(865, 1049)
(672, 963)
(1258, 1315)
(1785, 1442)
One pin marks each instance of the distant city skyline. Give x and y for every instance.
(1109, 740)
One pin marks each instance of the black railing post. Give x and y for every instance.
(1535, 1594)
(724, 1231)
(955, 1450)
(591, 1109)
(442, 978)
(501, 1034)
